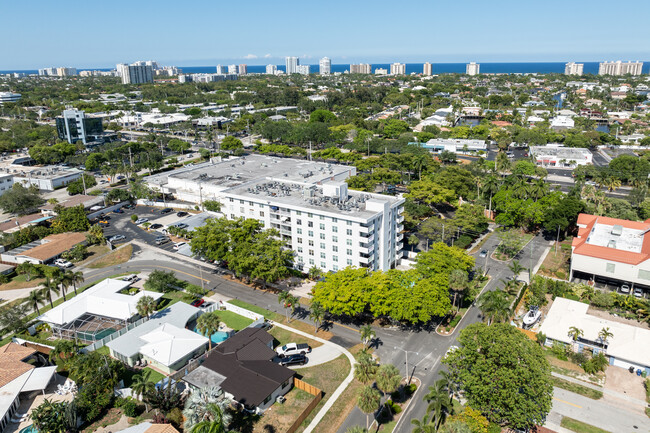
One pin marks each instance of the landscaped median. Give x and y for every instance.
(579, 426)
(576, 388)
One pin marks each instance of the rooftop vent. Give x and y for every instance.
(611, 244)
(617, 230)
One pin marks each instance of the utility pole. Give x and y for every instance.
(83, 180)
(558, 239)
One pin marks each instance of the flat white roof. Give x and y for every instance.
(629, 343)
(39, 378)
(603, 235)
(102, 299)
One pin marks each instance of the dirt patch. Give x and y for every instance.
(117, 257)
(20, 282)
(621, 380)
(608, 316)
(556, 265)
(281, 416)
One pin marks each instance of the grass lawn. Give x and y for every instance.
(116, 257)
(283, 336)
(255, 309)
(94, 251)
(129, 374)
(103, 350)
(233, 320)
(20, 282)
(499, 255)
(282, 416)
(579, 426)
(173, 297)
(578, 389)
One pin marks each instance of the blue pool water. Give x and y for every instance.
(217, 337)
(29, 429)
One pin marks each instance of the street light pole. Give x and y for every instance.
(408, 374)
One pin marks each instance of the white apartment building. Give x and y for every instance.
(136, 73)
(620, 68)
(556, 155)
(361, 68)
(303, 69)
(456, 145)
(291, 64)
(612, 251)
(325, 66)
(473, 68)
(398, 69)
(381, 71)
(243, 69)
(427, 69)
(271, 69)
(327, 225)
(221, 70)
(6, 182)
(58, 72)
(46, 178)
(233, 69)
(9, 97)
(572, 68)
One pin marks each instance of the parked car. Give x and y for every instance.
(141, 220)
(293, 349)
(197, 303)
(62, 263)
(116, 238)
(483, 253)
(178, 245)
(182, 226)
(181, 214)
(155, 226)
(130, 278)
(638, 292)
(625, 289)
(118, 210)
(129, 206)
(103, 224)
(161, 240)
(166, 210)
(293, 360)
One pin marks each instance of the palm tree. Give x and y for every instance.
(365, 368)
(288, 301)
(207, 324)
(197, 407)
(34, 298)
(64, 280)
(49, 286)
(367, 334)
(28, 269)
(76, 278)
(439, 401)
(368, 401)
(495, 306)
(605, 335)
(317, 314)
(457, 282)
(612, 183)
(388, 378)
(215, 424)
(575, 333)
(516, 268)
(145, 306)
(425, 425)
(142, 385)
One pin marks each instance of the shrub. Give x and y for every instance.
(594, 365)
(602, 300)
(134, 217)
(559, 350)
(463, 242)
(410, 390)
(130, 407)
(176, 417)
(560, 274)
(455, 321)
(578, 357)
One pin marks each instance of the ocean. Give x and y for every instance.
(438, 68)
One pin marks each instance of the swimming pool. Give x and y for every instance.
(29, 429)
(217, 337)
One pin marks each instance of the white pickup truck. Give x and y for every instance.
(293, 349)
(62, 263)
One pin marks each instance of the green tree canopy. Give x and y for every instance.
(21, 200)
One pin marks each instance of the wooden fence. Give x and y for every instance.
(318, 395)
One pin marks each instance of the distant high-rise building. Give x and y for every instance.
(221, 70)
(325, 66)
(427, 69)
(232, 69)
(361, 68)
(291, 64)
(271, 69)
(381, 71)
(303, 69)
(397, 69)
(243, 69)
(135, 74)
(57, 72)
(47, 72)
(573, 68)
(620, 68)
(73, 126)
(473, 68)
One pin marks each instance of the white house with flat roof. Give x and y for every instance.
(627, 347)
(455, 145)
(556, 155)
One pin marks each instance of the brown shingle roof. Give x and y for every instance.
(25, 219)
(55, 245)
(161, 428)
(75, 201)
(11, 362)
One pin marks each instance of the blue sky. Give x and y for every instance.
(94, 33)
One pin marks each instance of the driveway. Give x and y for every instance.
(320, 355)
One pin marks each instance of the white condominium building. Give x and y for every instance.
(361, 68)
(233, 69)
(327, 225)
(620, 68)
(221, 70)
(473, 68)
(572, 68)
(427, 69)
(9, 97)
(325, 66)
(398, 69)
(303, 69)
(135, 73)
(243, 69)
(271, 69)
(291, 64)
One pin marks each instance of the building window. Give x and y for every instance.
(261, 213)
(335, 238)
(310, 224)
(349, 262)
(322, 236)
(299, 222)
(241, 201)
(310, 215)
(299, 231)
(335, 268)
(322, 245)
(311, 243)
(322, 226)
(299, 259)
(349, 232)
(334, 220)
(299, 240)
(250, 203)
(322, 217)
(348, 241)
(335, 249)
(311, 261)
(349, 223)
(610, 268)
(311, 252)
(349, 252)
(335, 258)
(644, 275)
(322, 255)
(231, 199)
(300, 249)
(241, 210)
(335, 229)
(311, 233)
(232, 216)
(298, 212)
(323, 264)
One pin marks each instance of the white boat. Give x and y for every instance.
(532, 316)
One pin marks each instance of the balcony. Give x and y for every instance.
(364, 260)
(400, 236)
(285, 232)
(365, 229)
(400, 219)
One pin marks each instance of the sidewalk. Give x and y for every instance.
(605, 391)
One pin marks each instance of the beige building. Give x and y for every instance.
(620, 68)
(427, 70)
(398, 69)
(572, 68)
(473, 68)
(361, 68)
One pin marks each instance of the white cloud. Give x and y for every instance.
(250, 56)
(267, 56)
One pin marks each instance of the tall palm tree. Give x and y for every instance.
(495, 306)
(288, 301)
(214, 425)
(365, 368)
(575, 333)
(368, 401)
(197, 404)
(605, 335)
(64, 281)
(207, 324)
(142, 385)
(388, 378)
(425, 425)
(612, 183)
(49, 286)
(439, 401)
(145, 306)
(516, 268)
(367, 334)
(76, 278)
(457, 283)
(34, 298)
(317, 314)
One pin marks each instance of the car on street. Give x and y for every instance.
(177, 246)
(161, 240)
(293, 349)
(103, 224)
(62, 263)
(197, 303)
(116, 238)
(181, 214)
(141, 220)
(483, 253)
(638, 293)
(129, 206)
(118, 210)
(166, 210)
(625, 289)
(293, 360)
(155, 226)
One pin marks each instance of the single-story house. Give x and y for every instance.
(18, 376)
(243, 367)
(162, 341)
(627, 347)
(104, 305)
(15, 224)
(147, 427)
(44, 250)
(87, 201)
